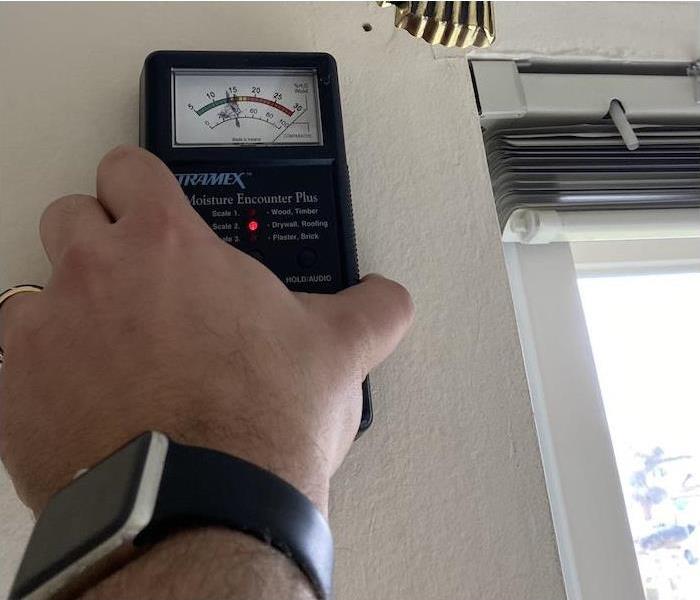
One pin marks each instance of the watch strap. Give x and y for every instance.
(202, 487)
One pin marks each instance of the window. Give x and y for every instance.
(611, 340)
(596, 179)
(644, 329)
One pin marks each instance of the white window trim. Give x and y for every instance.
(590, 520)
(637, 257)
(595, 544)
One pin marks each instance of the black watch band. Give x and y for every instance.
(202, 487)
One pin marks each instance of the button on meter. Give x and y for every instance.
(307, 257)
(256, 142)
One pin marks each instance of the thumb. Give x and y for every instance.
(373, 316)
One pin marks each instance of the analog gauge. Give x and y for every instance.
(262, 107)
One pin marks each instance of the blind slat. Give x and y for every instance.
(588, 167)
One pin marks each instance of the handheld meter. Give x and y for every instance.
(256, 141)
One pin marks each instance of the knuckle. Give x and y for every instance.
(165, 225)
(394, 296)
(64, 206)
(81, 256)
(403, 300)
(118, 155)
(354, 324)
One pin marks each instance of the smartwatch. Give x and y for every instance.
(150, 488)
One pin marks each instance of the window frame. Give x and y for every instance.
(594, 540)
(595, 543)
(636, 257)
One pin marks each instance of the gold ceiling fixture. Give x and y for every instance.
(451, 24)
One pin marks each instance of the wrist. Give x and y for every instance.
(203, 564)
(303, 466)
(154, 488)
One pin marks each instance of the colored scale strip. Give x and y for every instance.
(232, 99)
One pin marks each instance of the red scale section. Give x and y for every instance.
(272, 103)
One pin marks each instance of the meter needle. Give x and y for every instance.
(234, 107)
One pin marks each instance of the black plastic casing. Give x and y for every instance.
(320, 170)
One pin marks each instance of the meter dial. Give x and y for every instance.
(215, 107)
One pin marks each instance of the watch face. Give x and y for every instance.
(84, 515)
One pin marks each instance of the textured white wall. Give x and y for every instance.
(444, 498)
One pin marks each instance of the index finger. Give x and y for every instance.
(130, 178)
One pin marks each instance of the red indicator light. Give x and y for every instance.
(253, 225)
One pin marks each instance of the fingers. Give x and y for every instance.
(12, 312)
(374, 316)
(130, 178)
(68, 219)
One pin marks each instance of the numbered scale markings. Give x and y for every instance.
(242, 108)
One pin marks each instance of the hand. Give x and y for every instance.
(150, 321)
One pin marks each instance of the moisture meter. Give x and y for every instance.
(256, 142)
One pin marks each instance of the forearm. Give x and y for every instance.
(207, 564)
